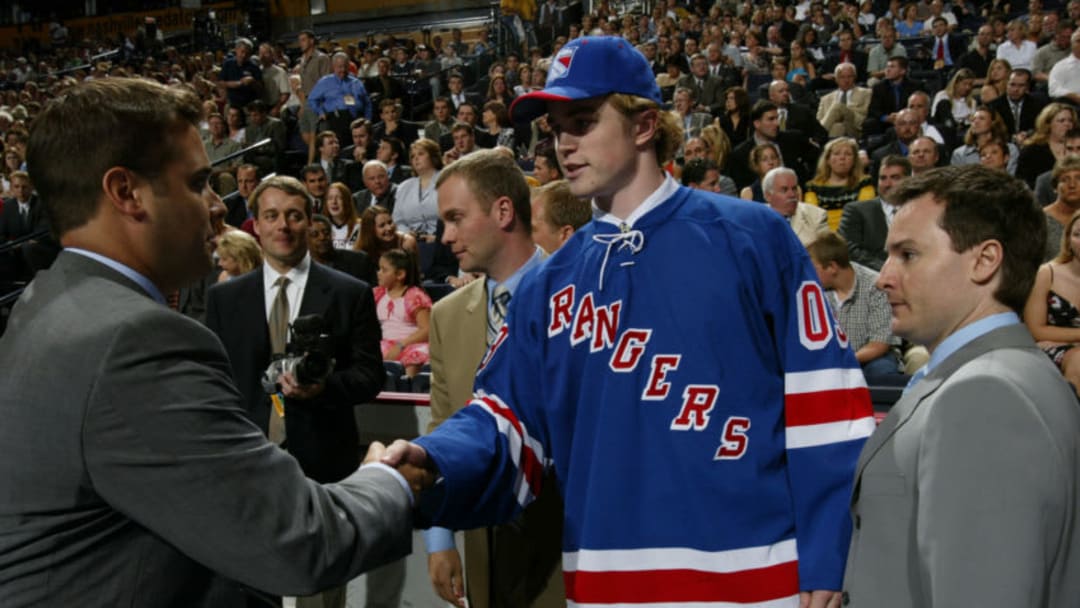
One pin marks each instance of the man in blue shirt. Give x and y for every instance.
(966, 493)
(241, 76)
(338, 98)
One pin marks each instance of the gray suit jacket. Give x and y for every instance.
(966, 495)
(132, 474)
(863, 226)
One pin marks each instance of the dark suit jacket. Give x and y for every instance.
(132, 474)
(864, 228)
(237, 210)
(801, 119)
(798, 153)
(353, 263)
(858, 59)
(400, 173)
(883, 102)
(362, 199)
(12, 224)
(320, 432)
(710, 94)
(955, 46)
(1029, 111)
(406, 132)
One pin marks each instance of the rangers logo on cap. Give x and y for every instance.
(560, 65)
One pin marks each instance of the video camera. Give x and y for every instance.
(308, 354)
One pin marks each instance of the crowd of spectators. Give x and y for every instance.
(834, 91)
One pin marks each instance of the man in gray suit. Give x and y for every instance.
(132, 475)
(865, 224)
(966, 494)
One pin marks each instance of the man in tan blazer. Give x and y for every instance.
(843, 111)
(781, 188)
(485, 205)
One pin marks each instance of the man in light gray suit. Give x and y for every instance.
(131, 474)
(966, 495)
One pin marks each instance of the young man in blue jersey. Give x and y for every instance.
(675, 363)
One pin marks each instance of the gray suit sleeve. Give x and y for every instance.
(852, 228)
(991, 497)
(166, 443)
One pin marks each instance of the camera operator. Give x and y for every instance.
(251, 314)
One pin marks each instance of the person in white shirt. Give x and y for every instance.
(1017, 49)
(1064, 78)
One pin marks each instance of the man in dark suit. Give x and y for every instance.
(133, 475)
(796, 151)
(22, 215)
(945, 50)
(707, 90)
(905, 131)
(328, 146)
(979, 57)
(865, 224)
(889, 96)
(949, 507)
(456, 85)
(312, 418)
(845, 53)
(392, 153)
(794, 116)
(378, 189)
(321, 244)
(1018, 108)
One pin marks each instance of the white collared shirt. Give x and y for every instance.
(298, 276)
(661, 194)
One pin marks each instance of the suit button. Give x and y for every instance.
(845, 599)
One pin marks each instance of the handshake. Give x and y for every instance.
(410, 460)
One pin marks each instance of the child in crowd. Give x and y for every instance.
(404, 311)
(238, 253)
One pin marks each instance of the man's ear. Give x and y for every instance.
(565, 232)
(502, 209)
(646, 124)
(121, 187)
(989, 256)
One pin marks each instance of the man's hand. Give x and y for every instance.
(444, 568)
(375, 451)
(294, 390)
(819, 599)
(412, 462)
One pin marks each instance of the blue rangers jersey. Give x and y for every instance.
(700, 406)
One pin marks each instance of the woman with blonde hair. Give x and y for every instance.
(238, 253)
(1052, 314)
(719, 146)
(997, 76)
(1047, 145)
(955, 104)
(340, 209)
(840, 179)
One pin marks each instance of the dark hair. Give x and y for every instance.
(695, 170)
(742, 100)
(115, 122)
(900, 61)
(895, 160)
(983, 204)
(830, 247)
(760, 108)
(360, 122)
(312, 168)
(397, 147)
(502, 115)
(403, 260)
(547, 152)
(1022, 72)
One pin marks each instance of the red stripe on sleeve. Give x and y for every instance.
(822, 407)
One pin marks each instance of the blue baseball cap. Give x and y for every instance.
(589, 67)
